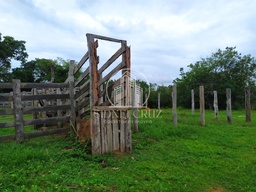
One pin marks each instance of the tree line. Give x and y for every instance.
(222, 69)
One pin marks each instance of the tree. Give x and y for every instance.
(10, 49)
(40, 70)
(223, 69)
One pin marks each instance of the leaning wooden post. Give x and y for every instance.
(202, 107)
(229, 112)
(174, 104)
(146, 100)
(158, 102)
(248, 104)
(18, 115)
(192, 102)
(72, 98)
(215, 104)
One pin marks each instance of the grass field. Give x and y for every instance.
(215, 158)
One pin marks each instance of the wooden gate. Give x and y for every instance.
(109, 124)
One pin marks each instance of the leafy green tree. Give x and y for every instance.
(223, 69)
(10, 49)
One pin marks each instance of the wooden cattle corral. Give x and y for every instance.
(79, 99)
(109, 126)
(18, 109)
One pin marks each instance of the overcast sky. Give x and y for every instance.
(164, 35)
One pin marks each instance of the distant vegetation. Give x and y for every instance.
(223, 69)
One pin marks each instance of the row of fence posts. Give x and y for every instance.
(215, 104)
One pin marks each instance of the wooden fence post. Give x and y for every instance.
(158, 102)
(248, 104)
(192, 102)
(174, 104)
(229, 112)
(135, 110)
(215, 104)
(72, 98)
(202, 106)
(18, 115)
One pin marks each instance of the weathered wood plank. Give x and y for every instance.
(50, 120)
(18, 115)
(229, 110)
(128, 134)
(104, 38)
(46, 108)
(122, 131)
(81, 62)
(116, 130)
(35, 134)
(111, 73)
(4, 98)
(7, 124)
(44, 85)
(83, 91)
(72, 98)
(109, 132)
(111, 59)
(202, 106)
(94, 116)
(7, 138)
(82, 76)
(6, 111)
(103, 132)
(5, 85)
(44, 97)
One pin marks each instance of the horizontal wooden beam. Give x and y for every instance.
(43, 85)
(105, 38)
(5, 85)
(35, 134)
(111, 73)
(6, 111)
(46, 108)
(7, 124)
(50, 120)
(44, 97)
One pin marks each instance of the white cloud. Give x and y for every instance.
(164, 35)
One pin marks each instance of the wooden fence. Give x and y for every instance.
(90, 96)
(18, 108)
(109, 125)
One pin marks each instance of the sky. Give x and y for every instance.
(164, 35)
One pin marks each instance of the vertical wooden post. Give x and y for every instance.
(58, 103)
(127, 58)
(146, 100)
(135, 109)
(248, 104)
(94, 96)
(229, 111)
(35, 105)
(202, 106)
(215, 104)
(18, 115)
(72, 97)
(158, 102)
(174, 104)
(192, 102)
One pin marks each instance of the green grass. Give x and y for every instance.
(188, 157)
